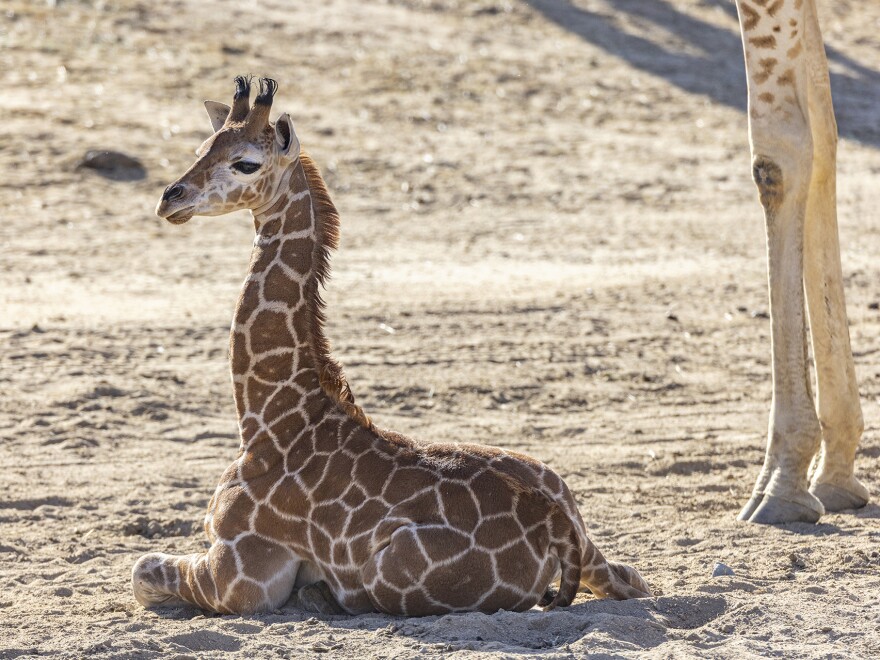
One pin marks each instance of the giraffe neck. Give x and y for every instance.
(284, 378)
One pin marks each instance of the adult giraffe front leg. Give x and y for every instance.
(782, 158)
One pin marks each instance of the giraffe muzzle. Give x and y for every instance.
(173, 207)
(181, 216)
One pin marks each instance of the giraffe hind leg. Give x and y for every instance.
(838, 406)
(548, 597)
(318, 599)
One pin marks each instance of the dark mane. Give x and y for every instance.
(330, 373)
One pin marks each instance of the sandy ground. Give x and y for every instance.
(551, 243)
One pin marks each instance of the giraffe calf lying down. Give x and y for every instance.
(356, 518)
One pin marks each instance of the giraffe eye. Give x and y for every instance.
(246, 166)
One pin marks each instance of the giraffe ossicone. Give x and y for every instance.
(318, 495)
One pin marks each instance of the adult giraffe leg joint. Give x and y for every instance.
(768, 177)
(833, 481)
(781, 494)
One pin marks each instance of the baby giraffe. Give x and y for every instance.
(357, 518)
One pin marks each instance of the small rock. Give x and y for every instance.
(720, 570)
(760, 314)
(113, 165)
(226, 49)
(64, 592)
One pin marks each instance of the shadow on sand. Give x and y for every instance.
(640, 624)
(713, 64)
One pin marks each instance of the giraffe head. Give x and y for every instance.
(241, 165)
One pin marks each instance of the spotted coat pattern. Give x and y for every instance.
(319, 493)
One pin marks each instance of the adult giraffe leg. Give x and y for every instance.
(782, 161)
(840, 413)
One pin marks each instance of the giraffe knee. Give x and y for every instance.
(782, 162)
(769, 179)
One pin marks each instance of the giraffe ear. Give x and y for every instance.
(217, 113)
(285, 136)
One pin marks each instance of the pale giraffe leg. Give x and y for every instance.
(840, 413)
(782, 155)
(243, 577)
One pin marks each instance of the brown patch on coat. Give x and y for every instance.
(264, 558)
(750, 17)
(768, 41)
(402, 562)
(786, 79)
(462, 582)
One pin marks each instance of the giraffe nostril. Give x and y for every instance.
(172, 192)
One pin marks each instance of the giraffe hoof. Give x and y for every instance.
(318, 599)
(148, 579)
(754, 502)
(774, 510)
(548, 597)
(838, 498)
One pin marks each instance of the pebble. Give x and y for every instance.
(720, 570)
(113, 165)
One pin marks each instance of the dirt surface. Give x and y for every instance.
(551, 243)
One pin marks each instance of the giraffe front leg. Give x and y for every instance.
(156, 581)
(782, 158)
(244, 576)
(840, 412)
(781, 491)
